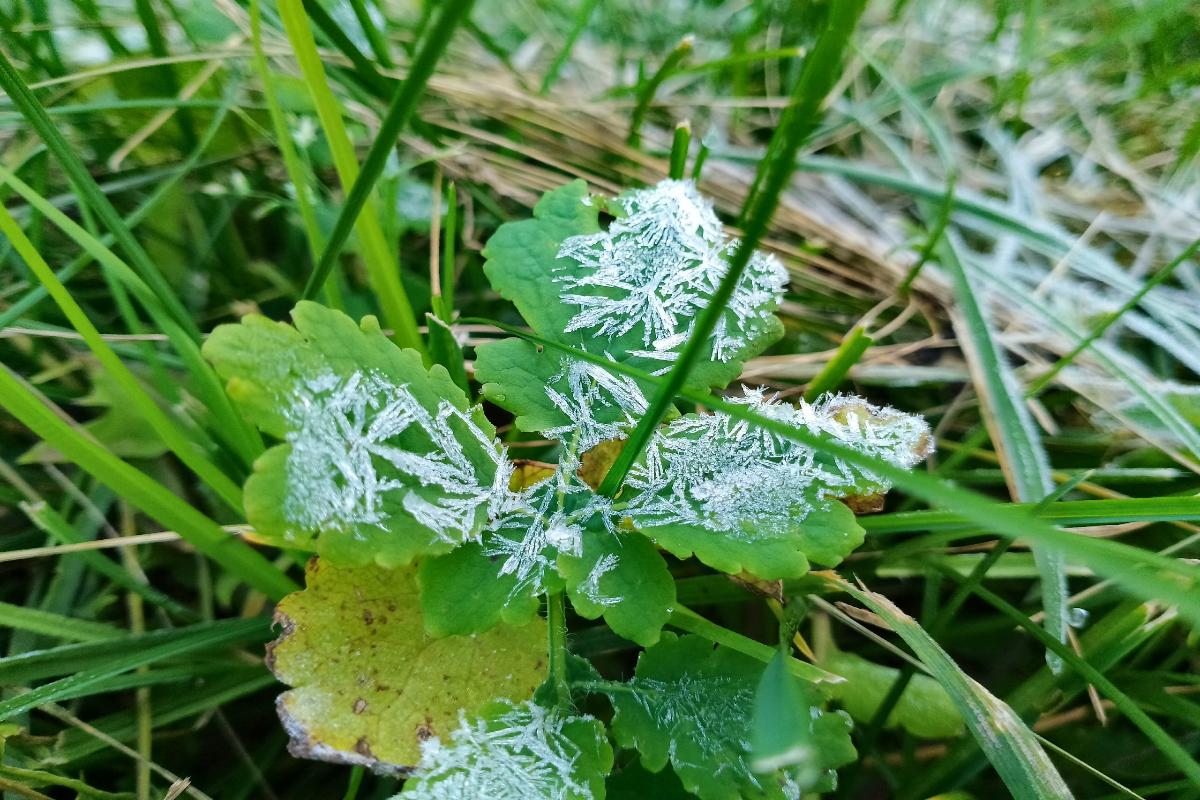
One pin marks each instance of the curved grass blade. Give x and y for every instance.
(91, 196)
(170, 431)
(1008, 743)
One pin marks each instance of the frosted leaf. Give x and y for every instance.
(515, 752)
(690, 704)
(347, 461)
(657, 267)
(728, 475)
(741, 497)
(591, 584)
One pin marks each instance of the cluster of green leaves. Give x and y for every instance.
(436, 551)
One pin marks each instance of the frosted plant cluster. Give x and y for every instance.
(520, 754)
(541, 522)
(717, 472)
(657, 266)
(347, 463)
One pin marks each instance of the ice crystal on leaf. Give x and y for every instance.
(743, 497)
(589, 390)
(345, 460)
(690, 704)
(515, 752)
(657, 267)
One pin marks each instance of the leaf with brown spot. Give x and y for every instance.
(369, 685)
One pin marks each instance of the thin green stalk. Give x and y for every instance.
(556, 619)
(172, 435)
(382, 269)
(364, 72)
(90, 194)
(649, 88)
(679, 149)
(582, 15)
(802, 115)
(945, 209)
(142, 491)
(833, 373)
(361, 185)
(686, 619)
(375, 37)
(298, 174)
(1042, 381)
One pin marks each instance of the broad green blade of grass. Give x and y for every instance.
(55, 625)
(400, 110)
(1000, 733)
(91, 195)
(1018, 443)
(1144, 574)
(173, 435)
(204, 638)
(142, 491)
(241, 437)
(816, 80)
(382, 268)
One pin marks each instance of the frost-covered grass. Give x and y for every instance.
(1001, 198)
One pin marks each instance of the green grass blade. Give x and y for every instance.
(142, 491)
(1006, 740)
(241, 437)
(91, 195)
(1165, 743)
(1074, 513)
(58, 626)
(382, 269)
(400, 110)
(172, 434)
(802, 115)
(203, 638)
(649, 87)
(1011, 425)
(53, 524)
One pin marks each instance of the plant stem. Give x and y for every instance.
(556, 617)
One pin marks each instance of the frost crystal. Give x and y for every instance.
(361, 444)
(657, 266)
(591, 584)
(592, 388)
(544, 520)
(523, 753)
(723, 474)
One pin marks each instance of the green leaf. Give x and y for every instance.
(120, 428)
(622, 577)
(383, 460)
(781, 733)
(464, 592)
(524, 750)
(629, 292)
(369, 684)
(924, 709)
(743, 498)
(690, 703)
(1007, 742)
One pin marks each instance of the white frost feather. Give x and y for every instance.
(522, 754)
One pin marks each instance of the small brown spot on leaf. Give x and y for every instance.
(359, 706)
